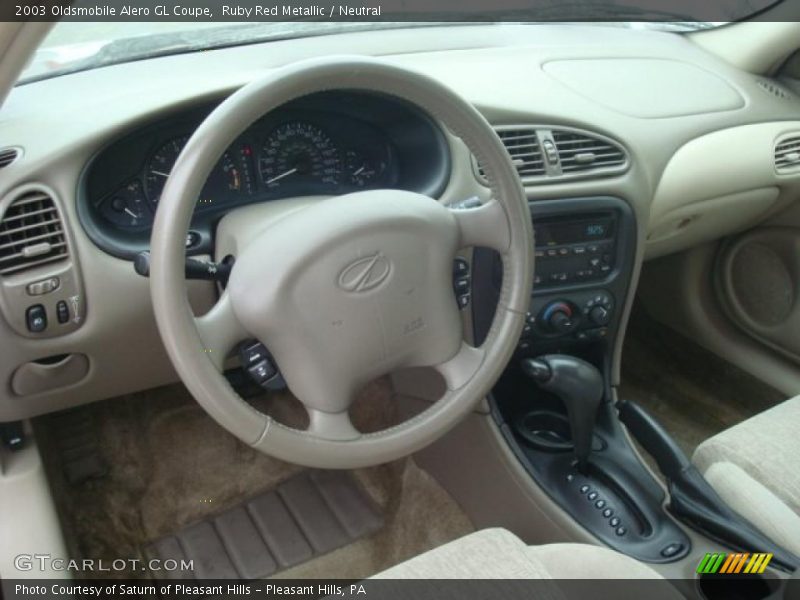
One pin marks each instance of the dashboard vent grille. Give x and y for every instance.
(774, 88)
(787, 154)
(545, 154)
(578, 152)
(8, 156)
(31, 233)
(522, 145)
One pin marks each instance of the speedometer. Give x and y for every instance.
(301, 156)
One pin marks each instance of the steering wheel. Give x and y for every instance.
(345, 289)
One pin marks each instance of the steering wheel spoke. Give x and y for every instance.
(485, 226)
(332, 426)
(462, 367)
(220, 331)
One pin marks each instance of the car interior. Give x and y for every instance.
(456, 300)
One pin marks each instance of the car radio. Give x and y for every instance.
(572, 249)
(584, 251)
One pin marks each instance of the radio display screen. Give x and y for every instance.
(556, 233)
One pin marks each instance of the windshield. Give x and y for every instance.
(77, 46)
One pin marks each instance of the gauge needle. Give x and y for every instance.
(282, 175)
(154, 172)
(359, 170)
(131, 213)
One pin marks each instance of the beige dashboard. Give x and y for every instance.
(685, 119)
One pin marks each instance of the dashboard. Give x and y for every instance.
(692, 165)
(321, 145)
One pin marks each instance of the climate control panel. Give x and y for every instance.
(574, 317)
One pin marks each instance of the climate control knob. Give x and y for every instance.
(600, 316)
(559, 317)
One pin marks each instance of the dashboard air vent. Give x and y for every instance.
(545, 154)
(8, 156)
(523, 147)
(787, 154)
(578, 152)
(31, 233)
(774, 88)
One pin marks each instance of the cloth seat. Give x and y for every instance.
(755, 467)
(499, 554)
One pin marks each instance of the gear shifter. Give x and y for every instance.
(580, 387)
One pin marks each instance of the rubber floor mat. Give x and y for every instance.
(310, 514)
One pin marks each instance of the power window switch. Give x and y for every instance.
(62, 311)
(36, 318)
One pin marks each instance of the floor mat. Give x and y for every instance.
(168, 465)
(693, 393)
(308, 515)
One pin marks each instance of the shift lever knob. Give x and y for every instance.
(580, 387)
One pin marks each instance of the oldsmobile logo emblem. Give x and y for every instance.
(365, 273)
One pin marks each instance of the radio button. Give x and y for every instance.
(552, 252)
(579, 250)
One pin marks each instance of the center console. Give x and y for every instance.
(584, 260)
(585, 250)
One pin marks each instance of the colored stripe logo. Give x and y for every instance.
(734, 563)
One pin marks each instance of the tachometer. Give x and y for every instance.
(300, 155)
(226, 177)
(160, 165)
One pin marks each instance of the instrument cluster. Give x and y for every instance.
(323, 145)
(289, 157)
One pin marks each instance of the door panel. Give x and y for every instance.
(758, 278)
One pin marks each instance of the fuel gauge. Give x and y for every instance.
(127, 207)
(362, 171)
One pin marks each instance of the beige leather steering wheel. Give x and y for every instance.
(348, 288)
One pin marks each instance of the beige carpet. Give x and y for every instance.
(171, 465)
(692, 392)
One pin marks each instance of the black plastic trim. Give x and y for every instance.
(692, 499)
